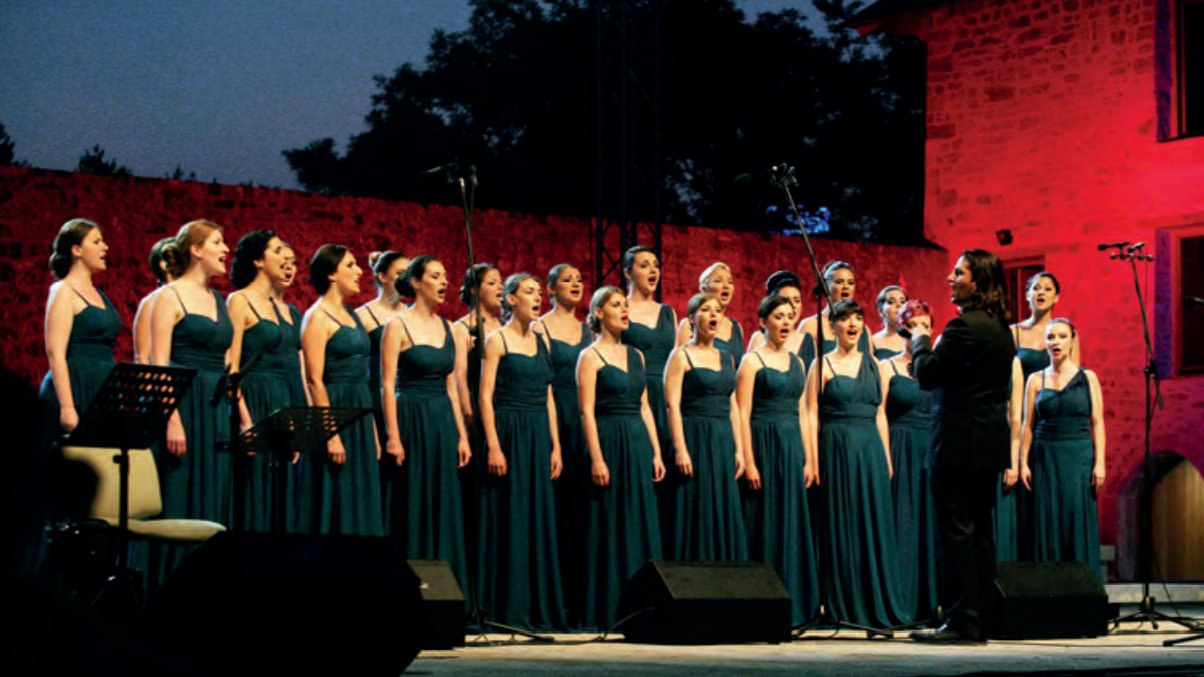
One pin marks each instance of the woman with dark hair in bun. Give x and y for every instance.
(142, 317)
(841, 285)
(386, 268)
(190, 328)
(786, 284)
(567, 337)
(700, 384)
(259, 350)
(424, 429)
(909, 418)
(651, 330)
(518, 581)
(887, 342)
(857, 539)
(290, 317)
(340, 492)
(717, 281)
(779, 464)
(81, 325)
(622, 530)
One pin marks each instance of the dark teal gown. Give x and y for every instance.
(422, 496)
(733, 346)
(622, 531)
(1062, 458)
(881, 354)
(94, 332)
(291, 346)
(372, 365)
(656, 343)
(572, 489)
(266, 348)
(197, 484)
(777, 519)
(710, 521)
(1015, 527)
(345, 499)
(518, 581)
(909, 414)
(857, 543)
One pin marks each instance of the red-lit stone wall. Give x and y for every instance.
(134, 213)
(1042, 118)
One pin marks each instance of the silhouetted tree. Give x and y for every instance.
(93, 162)
(6, 147)
(516, 93)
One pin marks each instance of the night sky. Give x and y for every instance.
(218, 87)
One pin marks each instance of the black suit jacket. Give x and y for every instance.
(968, 373)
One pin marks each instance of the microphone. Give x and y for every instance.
(447, 168)
(1110, 245)
(1135, 247)
(774, 173)
(1193, 300)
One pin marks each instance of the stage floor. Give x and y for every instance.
(1128, 652)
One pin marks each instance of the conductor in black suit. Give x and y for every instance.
(968, 373)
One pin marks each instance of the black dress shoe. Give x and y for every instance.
(946, 635)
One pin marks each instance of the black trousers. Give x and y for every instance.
(965, 511)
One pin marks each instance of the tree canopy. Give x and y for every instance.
(710, 94)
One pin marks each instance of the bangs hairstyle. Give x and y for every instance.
(882, 295)
(770, 304)
(324, 264)
(600, 298)
(404, 284)
(511, 287)
(177, 254)
(782, 278)
(705, 278)
(913, 308)
(250, 248)
(71, 234)
(474, 277)
(843, 309)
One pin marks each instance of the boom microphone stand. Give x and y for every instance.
(1146, 611)
(466, 182)
(783, 176)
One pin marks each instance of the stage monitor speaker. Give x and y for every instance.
(293, 604)
(1049, 600)
(705, 603)
(444, 603)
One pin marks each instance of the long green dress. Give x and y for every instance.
(94, 332)
(1015, 516)
(858, 541)
(1062, 457)
(290, 348)
(372, 365)
(909, 414)
(777, 518)
(197, 484)
(733, 346)
(656, 343)
(622, 531)
(519, 570)
(710, 522)
(345, 499)
(265, 351)
(572, 489)
(422, 497)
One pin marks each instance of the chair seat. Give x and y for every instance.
(178, 530)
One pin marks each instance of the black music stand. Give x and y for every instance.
(129, 412)
(294, 429)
